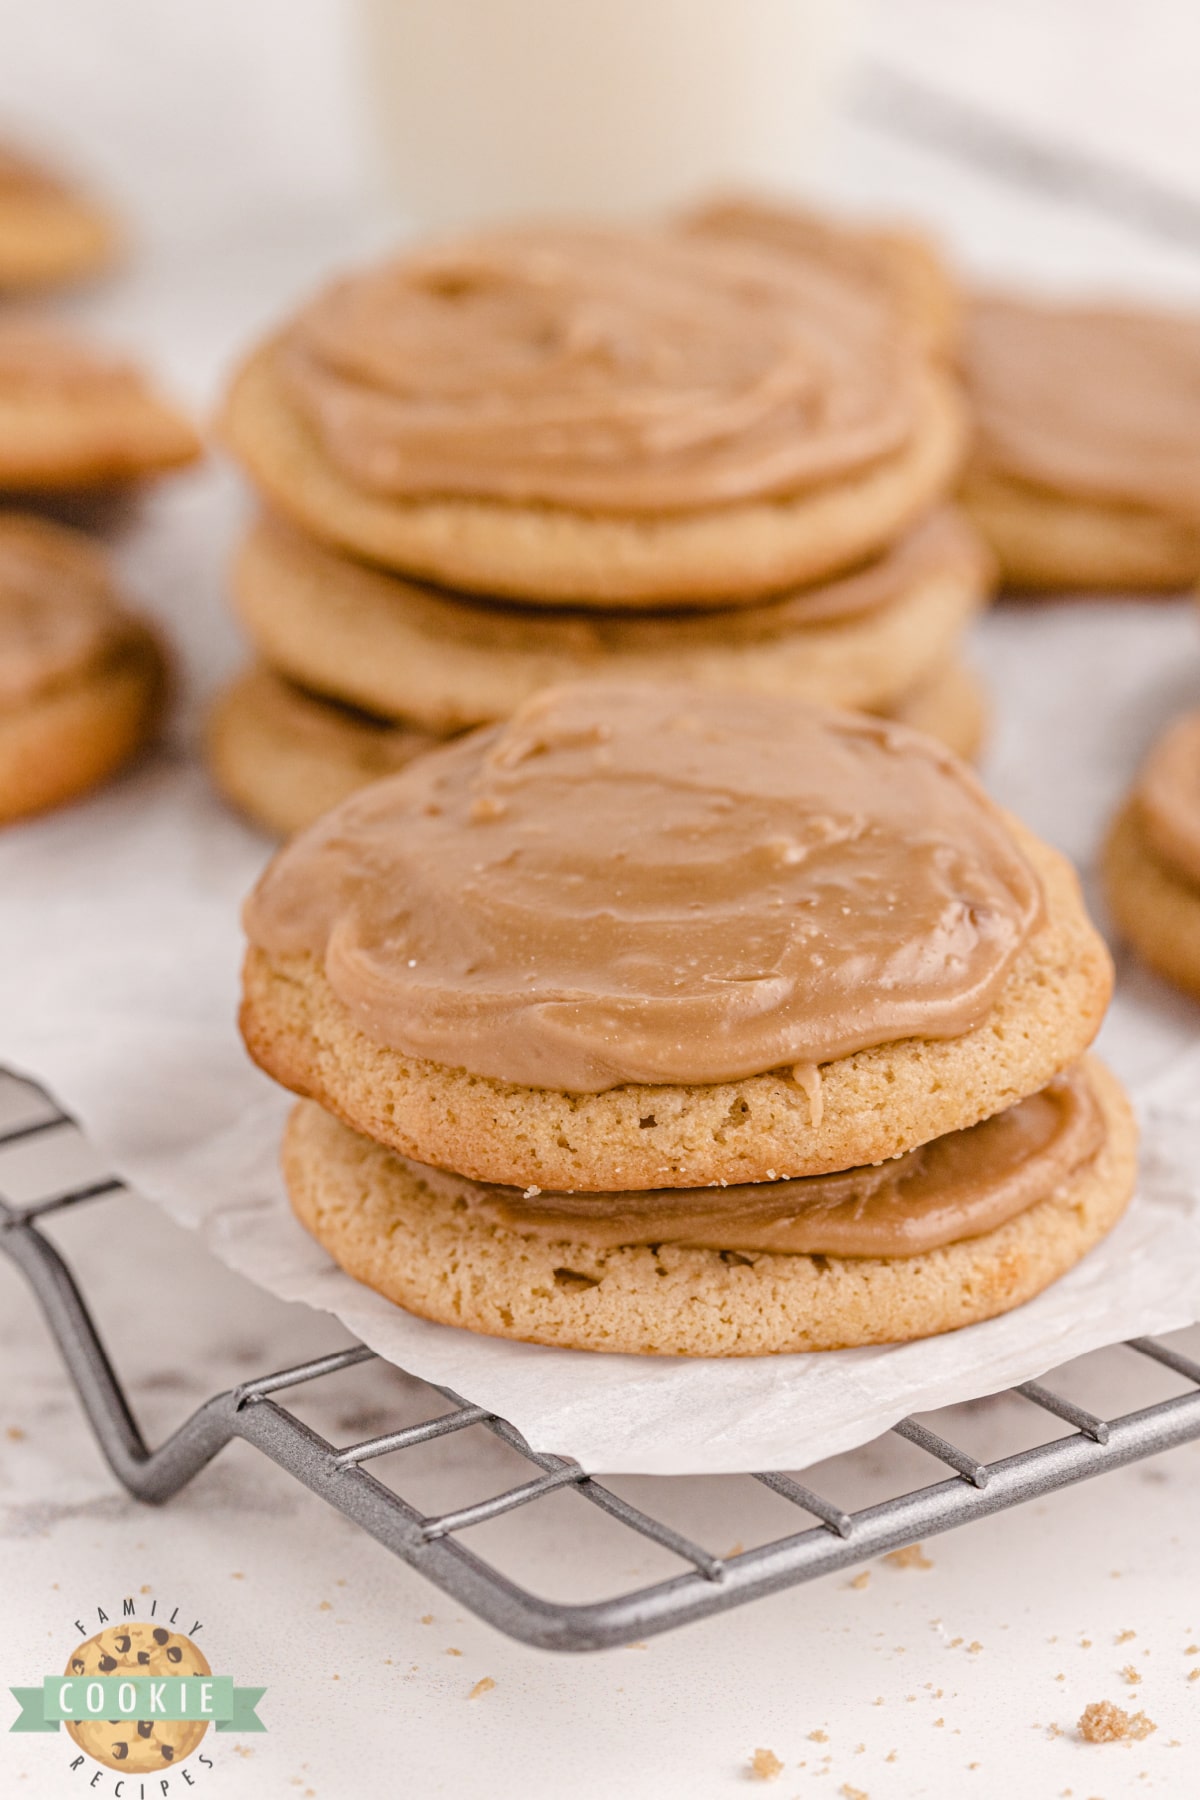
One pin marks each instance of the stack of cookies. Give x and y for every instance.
(661, 1020)
(549, 454)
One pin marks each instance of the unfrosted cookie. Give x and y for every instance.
(135, 1648)
(409, 651)
(862, 1108)
(951, 705)
(81, 681)
(73, 416)
(50, 231)
(903, 264)
(426, 1245)
(1085, 465)
(284, 757)
(600, 417)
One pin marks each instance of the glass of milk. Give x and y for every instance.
(490, 109)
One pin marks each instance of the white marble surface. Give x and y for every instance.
(363, 1696)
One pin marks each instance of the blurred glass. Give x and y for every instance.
(489, 108)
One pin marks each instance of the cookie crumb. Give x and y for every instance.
(325, 1606)
(911, 1557)
(1194, 1674)
(818, 1736)
(484, 1685)
(939, 1722)
(738, 1549)
(1192, 1650)
(14, 1434)
(1123, 1637)
(765, 1766)
(1132, 1675)
(1104, 1723)
(852, 1793)
(451, 1651)
(861, 1580)
(427, 1618)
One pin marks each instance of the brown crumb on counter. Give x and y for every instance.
(974, 1648)
(860, 1580)
(427, 1618)
(1192, 1650)
(1104, 1723)
(484, 1685)
(14, 1434)
(818, 1736)
(1123, 1637)
(852, 1793)
(765, 1766)
(1131, 1674)
(1194, 1674)
(911, 1557)
(451, 1651)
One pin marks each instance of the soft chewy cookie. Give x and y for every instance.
(425, 1241)
(902, 265)
(50, 232)
(1152, 858)
(1085, 468)
(709, 853)
(73, 417)
(405, 650)
(81, 681)
(137, 1746)
(599, 418)
(284, 757)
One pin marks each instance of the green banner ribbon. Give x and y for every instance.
(83, 1697)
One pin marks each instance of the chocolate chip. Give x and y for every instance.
(160, 1636)
(144, 1728)
(143, 1656)
(120, 1751)
(174, 1654)
(123, 1643)
(107, 1664)
(77, 1664)
(168, 1752)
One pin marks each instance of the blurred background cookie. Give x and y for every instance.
(82, 680)
(1152, 858)
(51, 232)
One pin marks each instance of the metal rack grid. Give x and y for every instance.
(253, 1412)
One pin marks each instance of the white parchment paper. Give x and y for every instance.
(120, 920)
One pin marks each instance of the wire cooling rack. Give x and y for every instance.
(340, 1474)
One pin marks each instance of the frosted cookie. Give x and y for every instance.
(662, 937)
(902, 265)
(1085, 471)
(50, 231)
(81, 680)
(969, 1226)
(410, 651)
(1152, 858)
(284, 757)
(73, 417)
(599, 417)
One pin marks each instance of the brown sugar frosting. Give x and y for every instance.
(1097, 402)
(956, 1187)
(601, 370)
(58, 613)
(663, 885)
(1167, 797)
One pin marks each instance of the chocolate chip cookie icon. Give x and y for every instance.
(137, 1746)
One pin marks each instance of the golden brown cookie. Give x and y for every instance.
(902, 264)
(1154, 906)
(1085, 463)
(429, 1248)
(81, 681)
(50, 231)
(408, 651)
(134, 1648)
(950, 705)
(72, 416)
(875, 1104)
(723, 556)
(284, 757)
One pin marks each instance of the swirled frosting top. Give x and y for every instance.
(600, 370)
(1099, 402)
(658, 884)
